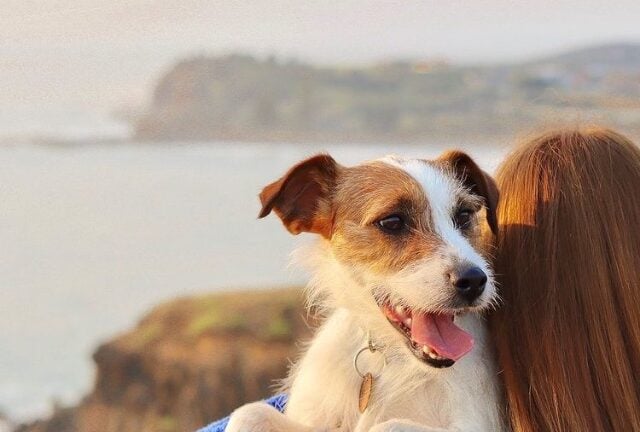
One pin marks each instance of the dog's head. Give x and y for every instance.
(408, 231)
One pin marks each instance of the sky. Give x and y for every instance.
(108, 54)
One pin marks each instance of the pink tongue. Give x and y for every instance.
(440, 333)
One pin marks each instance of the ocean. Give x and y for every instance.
(95, 235)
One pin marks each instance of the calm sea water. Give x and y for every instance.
(92, 237)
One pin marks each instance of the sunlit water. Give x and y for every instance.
(92, 237)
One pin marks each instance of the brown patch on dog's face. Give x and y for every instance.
(346, 204)
(476, 180)
(473, 232)
(368, 193)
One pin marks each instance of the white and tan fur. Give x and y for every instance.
(355, 265)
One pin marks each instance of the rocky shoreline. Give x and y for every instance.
(189, 362)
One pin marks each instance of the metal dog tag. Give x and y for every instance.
(365, 391)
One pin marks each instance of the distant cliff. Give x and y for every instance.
(187, 363)
(243, 98)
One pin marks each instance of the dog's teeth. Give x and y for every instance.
(407, 322)
(400, 310)
(431, 353)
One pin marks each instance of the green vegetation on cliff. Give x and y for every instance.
(239, 97)
(189, 362)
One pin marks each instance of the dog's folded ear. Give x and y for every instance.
(478, 181)
(302, 197)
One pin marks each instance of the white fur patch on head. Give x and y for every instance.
(442, 191)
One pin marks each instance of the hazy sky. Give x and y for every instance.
(104, 53)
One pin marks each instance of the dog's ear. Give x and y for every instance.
(302, 197)
(478, 181)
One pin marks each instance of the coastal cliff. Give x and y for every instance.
(188, 362)
(244, 98)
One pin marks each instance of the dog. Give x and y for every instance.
(401, 274)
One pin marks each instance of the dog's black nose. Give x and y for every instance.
(470, 283)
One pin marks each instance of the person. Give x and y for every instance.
(567, 257)
(278, 402)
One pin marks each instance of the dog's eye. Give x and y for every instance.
(391, 224)
(463, 218)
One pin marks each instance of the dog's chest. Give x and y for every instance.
(326, 387)
(421, 399)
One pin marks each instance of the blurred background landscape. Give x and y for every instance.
(139, 291)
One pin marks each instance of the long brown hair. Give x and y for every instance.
(568, 264)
